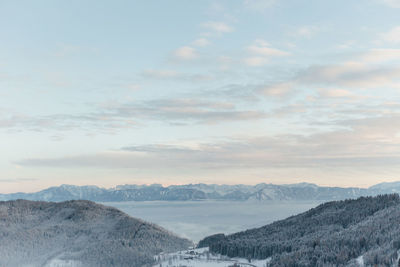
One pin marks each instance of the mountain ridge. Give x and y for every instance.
(239, 192)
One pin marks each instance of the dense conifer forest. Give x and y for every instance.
(336, 233)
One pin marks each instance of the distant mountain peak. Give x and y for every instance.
(302, 184)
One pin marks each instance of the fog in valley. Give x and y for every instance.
(197, 219)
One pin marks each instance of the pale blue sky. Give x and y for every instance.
(171, 92)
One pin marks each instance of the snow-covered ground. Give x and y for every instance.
(63, 263)
(360, 260)
(203, 258)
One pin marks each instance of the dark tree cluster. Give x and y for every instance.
(332, 234)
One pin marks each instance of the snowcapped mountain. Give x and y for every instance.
(259, 192)
(393, 187)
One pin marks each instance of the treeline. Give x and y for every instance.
(332, 234)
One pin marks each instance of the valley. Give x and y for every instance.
(197, 219)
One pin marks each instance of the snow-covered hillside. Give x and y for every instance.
(201, 257)
(78, 233)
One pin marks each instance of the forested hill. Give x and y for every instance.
(78, 233)
(339, 233)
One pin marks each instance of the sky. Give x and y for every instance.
(172, 92)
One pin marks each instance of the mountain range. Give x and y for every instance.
(259, 192)
(78, 233)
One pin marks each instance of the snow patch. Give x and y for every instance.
(203, 258)
(360, 261)
(63, 263)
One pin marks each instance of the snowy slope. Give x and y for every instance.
(78, 233)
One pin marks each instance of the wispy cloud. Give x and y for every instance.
(351, 75)
(201, 42)
(255, 61)
(347, 45)
(18, 180)
(112, 117)
(391, 3)
(306, 31)
(185, 111)
(260, 53)
(336, 93)
(185, 53)
(230, 103)
(218, 26)
(365, 70)
(259, 5)
(379, 56)
(175, 75)
(392, 36)
(263, 48)
(368, 142)
(277, 90)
